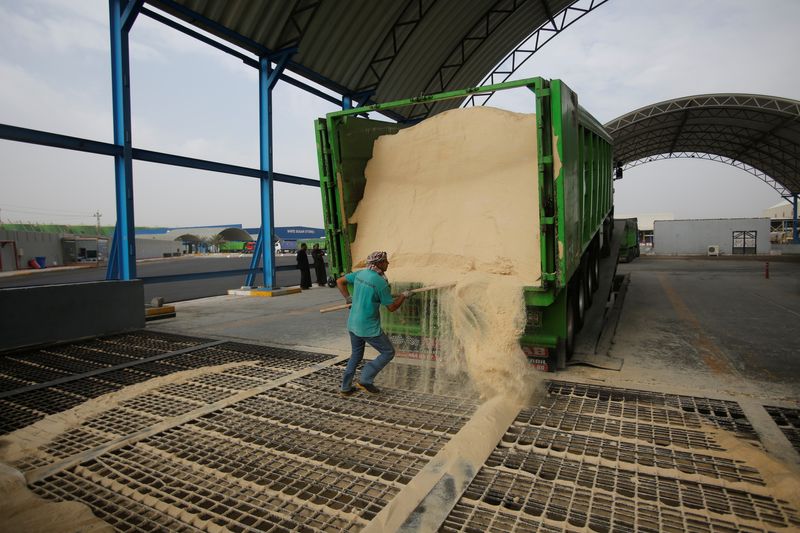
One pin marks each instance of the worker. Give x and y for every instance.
(318, 255)
(370, 291)
(302, 265)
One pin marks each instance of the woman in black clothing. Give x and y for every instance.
(302, 265)
(319, 264)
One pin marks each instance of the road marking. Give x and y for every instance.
(713, 356)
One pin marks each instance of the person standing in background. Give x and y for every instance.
(318, 255)
(302, 265)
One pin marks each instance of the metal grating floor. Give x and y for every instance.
(605, 459)
(295, 457)
(19, 370)
(268, 444)
(789, 422)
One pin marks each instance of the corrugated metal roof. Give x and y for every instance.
(399, 49)
(758, 133)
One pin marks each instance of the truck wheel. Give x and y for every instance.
(569, 342)
(590, 288)
(566, 346)
(331, 282)
(579, 299)
(594, 269)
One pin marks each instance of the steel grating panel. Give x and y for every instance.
(307, 419)
(330, 379)
(607, 459)
(593, 503)
(633, 430)
(388, 465)
(623, 453)
(359, 408)
(30, 373)
(120, 511)
(788, 421)
(23, 369)
(337, 489)
(688, 411)
(14, 416)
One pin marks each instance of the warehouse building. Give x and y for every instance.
(726, 236)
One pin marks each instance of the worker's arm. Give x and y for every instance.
(397, 302)
(341, 283)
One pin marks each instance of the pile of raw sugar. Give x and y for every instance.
(454, 199)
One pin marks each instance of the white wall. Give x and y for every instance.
(693, 237)
(152, 248)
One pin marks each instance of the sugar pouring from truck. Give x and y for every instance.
(572, 228)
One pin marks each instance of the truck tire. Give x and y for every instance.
(578, 299)
(594, 269)
(569, 342)
(566, 346)
(589, 287)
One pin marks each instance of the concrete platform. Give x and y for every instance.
(264, 293)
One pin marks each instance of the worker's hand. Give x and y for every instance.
(349, 300)
(407, 294)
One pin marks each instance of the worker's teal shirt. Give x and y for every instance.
(370, 290)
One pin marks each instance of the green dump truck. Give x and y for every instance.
(575, 174)
(629, 247)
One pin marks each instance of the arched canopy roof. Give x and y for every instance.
(760, 134)
(385, 50)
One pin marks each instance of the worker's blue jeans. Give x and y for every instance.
(371, 369)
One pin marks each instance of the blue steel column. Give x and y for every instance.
(795, 234)
(267, 198)
(125, 267)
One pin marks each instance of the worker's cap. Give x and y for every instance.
(376, 257)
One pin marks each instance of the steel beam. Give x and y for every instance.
(55, 140)
(795, 233)
(123, 163)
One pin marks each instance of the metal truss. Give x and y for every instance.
(535, 41)
(492, 19)
(299, 19)
(386, 53)
(783, 191)
(774, 104)
(756, 133)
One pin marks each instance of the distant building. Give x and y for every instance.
(646, 222)
(781, 217)
(725, 236)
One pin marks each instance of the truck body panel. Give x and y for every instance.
(575, 198)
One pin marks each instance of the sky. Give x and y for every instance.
(193, 100)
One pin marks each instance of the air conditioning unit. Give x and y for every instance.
(713, 249)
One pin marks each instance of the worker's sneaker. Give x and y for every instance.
(348, 392)
(369, 387)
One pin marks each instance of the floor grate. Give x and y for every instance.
(658, 407)
(21, 369)
(602, 501)
(606, 459)
(388, 465)
(612, 427)
(518, 439)
(789, 422)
